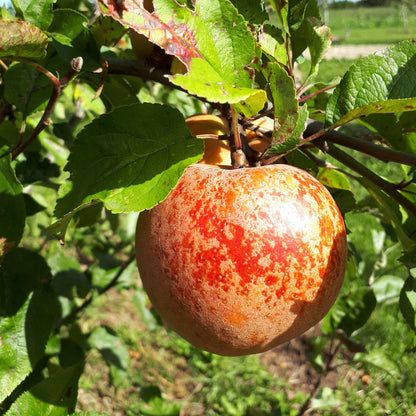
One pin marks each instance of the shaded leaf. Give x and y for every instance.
(12, 205)
(36, 169)
(107, 31)
(129, 159)
(15, 365)
(388, 288)
(397, 129)
(22, 40)
(110, 346)
(282, 9)
(357, 310)
(253, 10)
(391, 210)
(41, 315)
(21, 272)
(304, 19)
(380, 83)
(409, 257)
(26, 88)
(407, 302)
(72, 38)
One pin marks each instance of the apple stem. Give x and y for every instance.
(238, 156)
(242, 155)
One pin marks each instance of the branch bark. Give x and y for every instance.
(380, 152)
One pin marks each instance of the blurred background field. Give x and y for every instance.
(358, 25)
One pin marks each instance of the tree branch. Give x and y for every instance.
(380, 152)
(138, 68)
(387, 187)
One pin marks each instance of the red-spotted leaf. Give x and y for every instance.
(230, 54)
(175, 38)
(21, 40)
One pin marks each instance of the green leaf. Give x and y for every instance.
(36, 12)
(387, 288)
(326, 399)
(129, 159)
(21, 272)
(333, 178)
(204, 81)
(319, 40)
(15, 364)
(155, 404)
(22, 40)
(353, 307)
(407, 302)
(379, 359)
(113, 351)
(379, 107)
(110, 346)
(397, 129)
(381, 83)
(24, 336)
(141, 302)
(73, 39)
(12, 205)
(272, 43)
(54, 396)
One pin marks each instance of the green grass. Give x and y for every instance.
(371, 25)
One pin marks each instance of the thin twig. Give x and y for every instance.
(313, 94)
(317, 386)
(57, 87)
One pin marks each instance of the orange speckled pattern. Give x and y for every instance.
(239, 261)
